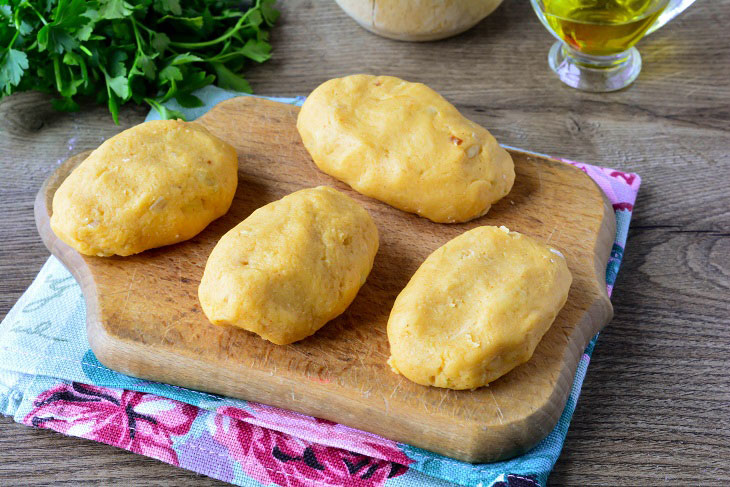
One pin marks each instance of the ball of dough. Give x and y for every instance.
(418, 20)
(476, 308)
(404, 144)
(155, 184)
(291, 266)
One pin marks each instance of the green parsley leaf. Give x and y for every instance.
(229, 80)
(84, 32)
(92, 15)
(12, 66)
(24, 28)
(185, 58)
(68, 14)
(159, 41)
(255, 18)
(145, 66)
(189, 101)
(55, 39)
(119, 85)
(165, 113)
(165, 6)
(269, 12)
(192, 23)
(116, 63)
(114, 9)
(73, 59)
(171, 73)
(113, 105)
(194, 80)
(257, 50)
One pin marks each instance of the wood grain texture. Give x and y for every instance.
(652, 408)
(144, 318)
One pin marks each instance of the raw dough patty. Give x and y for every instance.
(404, 144)
(476, 308)
(155, 184)
(291, 266)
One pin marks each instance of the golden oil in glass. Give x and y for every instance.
(602, 27)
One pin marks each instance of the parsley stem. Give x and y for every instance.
(229, 33)
(222, 58)
(12, 41)
(136, 35)
(149, 31)
(43, 19)
(57, 72)
(228, 16)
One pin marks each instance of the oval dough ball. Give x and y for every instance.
(476, 308)
(155, 184)
(291, 266)
(418, 20)
(404, 144)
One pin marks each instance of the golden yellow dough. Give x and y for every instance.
(476, 308)
(155, 184)
(404, 144)
(291, 266)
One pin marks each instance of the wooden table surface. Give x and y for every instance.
(655, 406)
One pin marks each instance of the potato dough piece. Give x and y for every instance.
(155, 184)
(404, 144)
(291, 266)
(418, 20)
(476, 308)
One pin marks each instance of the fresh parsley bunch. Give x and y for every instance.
(139, 50)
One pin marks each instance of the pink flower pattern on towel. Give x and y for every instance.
(138, 422)
(270, 456)
(330, 433)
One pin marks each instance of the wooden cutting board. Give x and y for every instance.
(144, 319)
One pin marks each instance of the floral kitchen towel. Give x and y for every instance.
(49, 378)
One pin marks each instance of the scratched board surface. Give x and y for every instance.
(144, 319)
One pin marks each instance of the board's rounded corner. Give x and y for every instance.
(98, 337)
(508, 440)
(601, 309)
(602, 251)
(70, 258)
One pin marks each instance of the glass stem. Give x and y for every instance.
(596, 62)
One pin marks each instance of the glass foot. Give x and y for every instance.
(594, 73)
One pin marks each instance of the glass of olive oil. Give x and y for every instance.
(595, 49)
